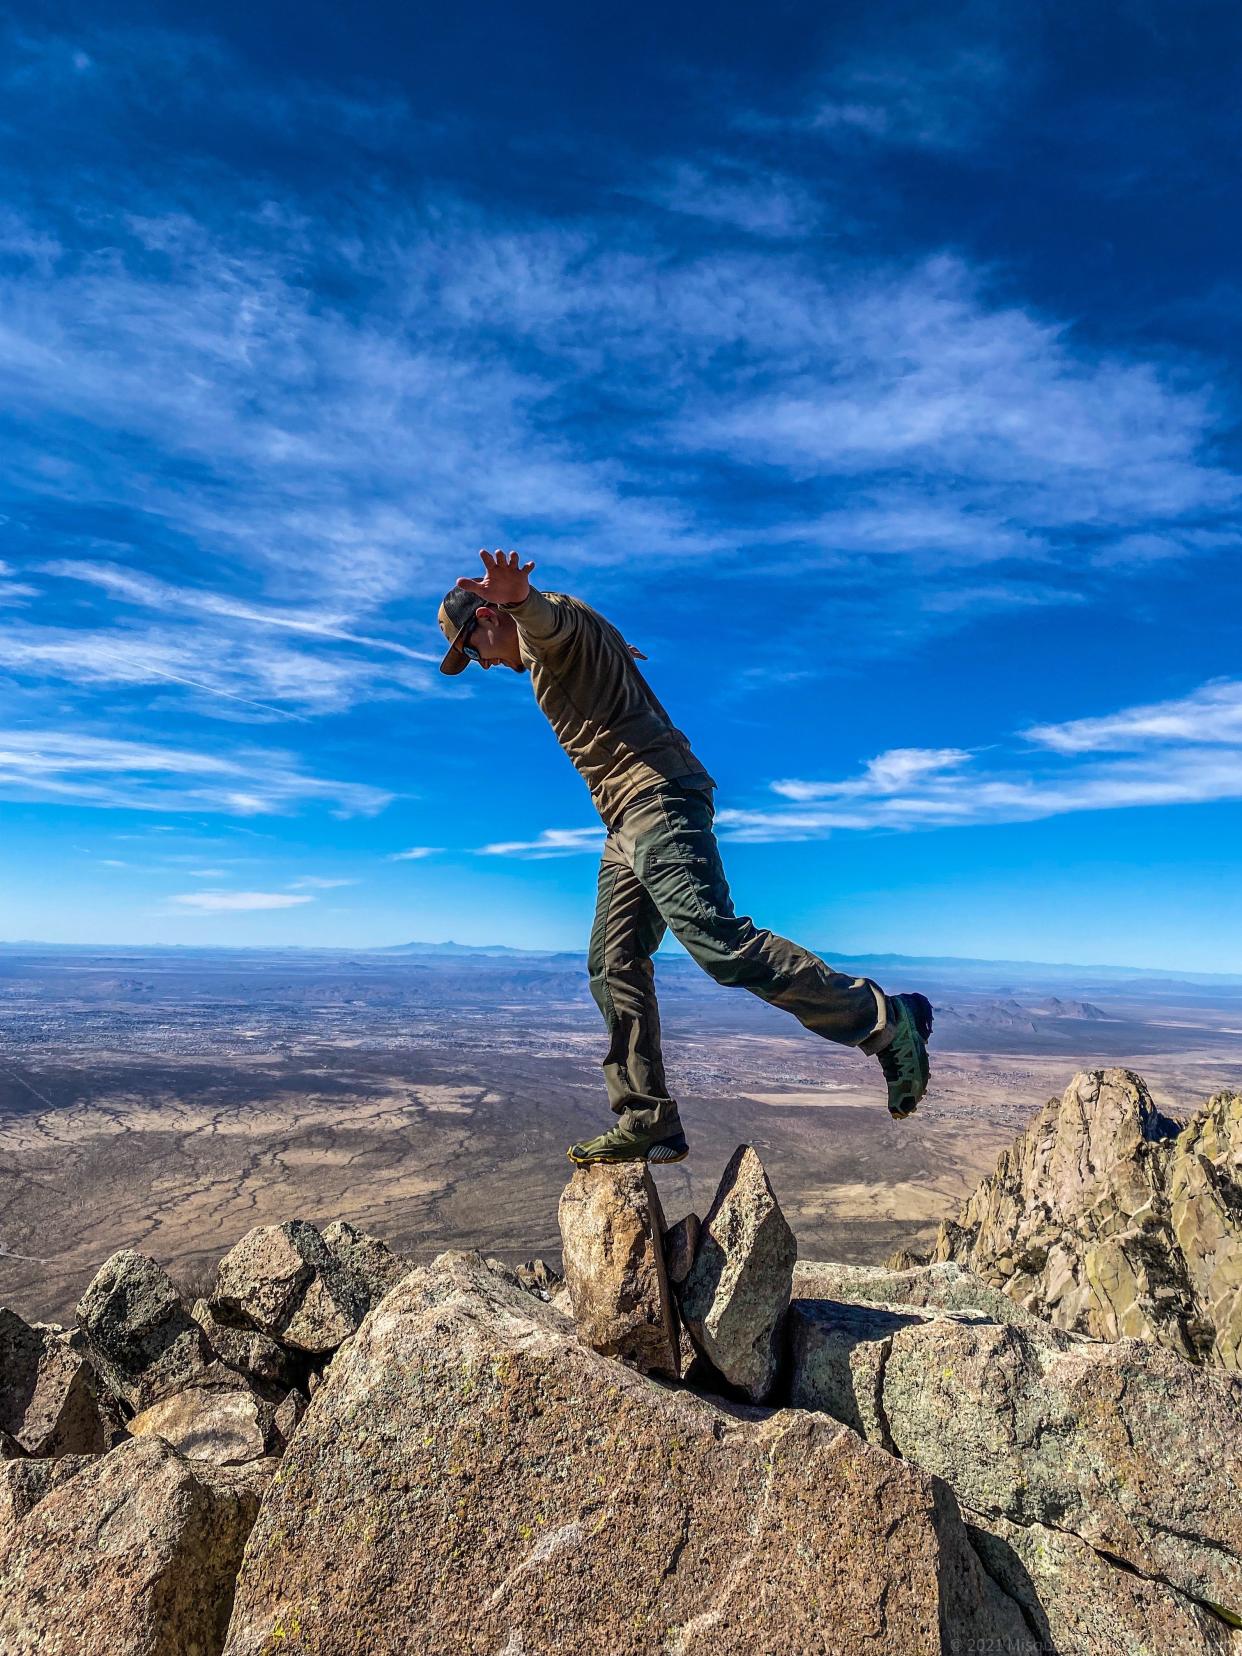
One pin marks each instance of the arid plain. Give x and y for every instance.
(169, 1100)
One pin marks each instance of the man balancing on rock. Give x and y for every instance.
(661, 865)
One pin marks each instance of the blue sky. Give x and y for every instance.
(875, 367)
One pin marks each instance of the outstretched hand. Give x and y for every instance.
(504, 580)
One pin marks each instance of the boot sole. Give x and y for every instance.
(661, 1157)
(921, 1009)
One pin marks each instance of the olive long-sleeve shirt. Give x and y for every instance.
(601, 708)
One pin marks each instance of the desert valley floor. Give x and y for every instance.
(169, 1101)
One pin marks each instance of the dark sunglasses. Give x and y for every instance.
(468, 650)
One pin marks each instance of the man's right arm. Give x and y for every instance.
(546, 623)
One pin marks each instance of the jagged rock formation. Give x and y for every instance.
(309, 1291)
(139, 1334)
(611, 1230)
(1109, 1218)
(471, 1477)
(942, 1470)
(733, 1297)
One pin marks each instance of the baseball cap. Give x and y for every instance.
(456, 614)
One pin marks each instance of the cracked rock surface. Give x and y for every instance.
(1126, 1446)
(471, 1477)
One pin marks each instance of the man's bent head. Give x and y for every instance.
(477, 631)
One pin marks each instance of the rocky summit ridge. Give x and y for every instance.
(1111, 1219)
(691, 1444)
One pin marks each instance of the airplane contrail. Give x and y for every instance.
(227, 695)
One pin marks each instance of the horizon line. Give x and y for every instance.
(666, 953)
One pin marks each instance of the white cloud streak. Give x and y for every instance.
(232, 902)
(552, 842)
(70, 767)
(1213, 715)
(1184, 752)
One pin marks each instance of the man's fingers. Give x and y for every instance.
(471, 584)
(488, 561)
(527, 567)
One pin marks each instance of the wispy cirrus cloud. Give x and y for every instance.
(1212, 716)
(415, 853)
(723, 191)
(944, 100)
(234, 902)
(903, 408)
(70, 767)
(888, 773)
(552, 842)
(1182, 752)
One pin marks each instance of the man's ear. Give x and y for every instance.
(485, 613)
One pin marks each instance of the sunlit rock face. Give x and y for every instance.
(1111, 1219)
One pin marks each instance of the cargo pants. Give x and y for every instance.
(661, 870)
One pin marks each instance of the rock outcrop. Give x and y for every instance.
(944, 1287)
(50, 1402)
(1126, 1446)
(134, 1553)
(564, 1502)
(611, 1230)
(138, 1332)
(734, 1295)
(285, 1281)
(939, 1468)
(1108, 1218)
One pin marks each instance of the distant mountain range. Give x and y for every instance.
(997, 973)
(451, 948)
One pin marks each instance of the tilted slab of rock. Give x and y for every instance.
(611, 1226)
(946, 1287)
(1107, 1218)
(1131, 1448)
(681, 1241)
(138, 1331)
(226, 1423)
(134, 1554)
(50, 1401)
(1079, 1602)
(285, 1281)
(245, 1349)
(471, 1478)
(733, 1300)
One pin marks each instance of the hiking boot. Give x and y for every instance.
(904, 1059)
(634, 1140)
